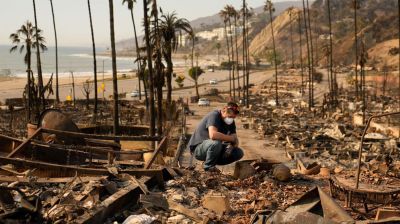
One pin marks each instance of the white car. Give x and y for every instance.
(135, 93)
(213, 81)
(203, 102)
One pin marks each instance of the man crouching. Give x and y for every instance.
(214, 140)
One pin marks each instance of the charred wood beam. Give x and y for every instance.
(156, 152)
(102, 137)
(69, 170)
(93, 149)
(25, 180)
(25, 143)
(117, 202)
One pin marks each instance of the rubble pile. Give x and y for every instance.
(224, 198)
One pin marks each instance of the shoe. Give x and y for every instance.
(213, 170)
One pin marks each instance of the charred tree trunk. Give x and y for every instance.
(150, 69)
(114, 69)
(56, 45)
(94, 65)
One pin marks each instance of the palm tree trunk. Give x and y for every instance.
(334, 90)
(291, 37)
(248, 67)
(237, 57)
(150, 70)
(159, 72)
(195, 80)
(114, 68)
(39, 64)
(73, 88)
(137, 54)
(56, 43)
(234, 63)
(398, 18)
(29, 83)
(301, 58)
(170, 70)
(229, 61)
(244, 51)
(356, 47)
(312, 55)
(275, 61)
(94, 65)
(308, 57)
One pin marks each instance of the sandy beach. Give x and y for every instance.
(13, 87)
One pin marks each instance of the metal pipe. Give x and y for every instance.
(362, 141)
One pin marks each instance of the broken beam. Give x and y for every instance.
(117, 202)
(71, 170)
(23, 144)
(103, 137)
(154, 156)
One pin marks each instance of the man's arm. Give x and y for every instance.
(215, 135)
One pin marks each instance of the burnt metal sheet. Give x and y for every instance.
(318, 202)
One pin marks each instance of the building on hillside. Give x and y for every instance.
(215, 34)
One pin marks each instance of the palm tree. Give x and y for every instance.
(150, 68)
(228, 10)
(244, 52)
(270, 8)
(192, 68)
(333, 76)
(301, 56)
(56, 43)
(398, 18)
(130, 4)
(218, 47)
(236, 16)
(309, 59)
(170, 27)
(158, 65)
(311, 55)
(25, 34)
(24, 39)
(248, 64)
(114, 68)
(224, 15)
(94, 64)
(291, 10)
(39, 64)
(356, 5)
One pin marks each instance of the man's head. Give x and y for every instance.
(229, 112)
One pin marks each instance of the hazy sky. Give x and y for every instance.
(73, 21)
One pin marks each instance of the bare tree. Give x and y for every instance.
(114, 69)
(150, 67)
(87, 88)
(270, 8)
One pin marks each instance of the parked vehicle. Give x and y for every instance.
(213, 81)
(135, 93)
(203, 102)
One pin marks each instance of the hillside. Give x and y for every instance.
(209, 22)
(375, 22)
(215, 20)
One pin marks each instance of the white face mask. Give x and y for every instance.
(228, 120)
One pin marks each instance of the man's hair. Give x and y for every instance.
(232, 108)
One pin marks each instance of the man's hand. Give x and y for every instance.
(235, 141)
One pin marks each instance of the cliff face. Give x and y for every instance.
(377, 26)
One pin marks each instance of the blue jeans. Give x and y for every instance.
(213, 152)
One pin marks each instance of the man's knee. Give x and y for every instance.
(214, 144)
(237, 154)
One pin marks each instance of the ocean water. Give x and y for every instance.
(76, 59)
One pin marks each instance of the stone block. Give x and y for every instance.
(386, 213)
(217, 202)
